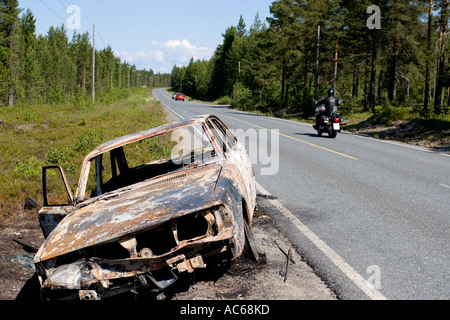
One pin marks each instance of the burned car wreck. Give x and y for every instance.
(148, 207)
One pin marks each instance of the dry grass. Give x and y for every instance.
(33, 136)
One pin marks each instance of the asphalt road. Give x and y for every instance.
(371, 217)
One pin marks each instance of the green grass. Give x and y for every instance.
(34, 136)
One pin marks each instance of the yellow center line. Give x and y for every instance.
(299, 140)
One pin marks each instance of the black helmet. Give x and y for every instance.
(330, 92)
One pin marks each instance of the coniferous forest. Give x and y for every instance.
(278, 64)
(51, 69)
(397, 60)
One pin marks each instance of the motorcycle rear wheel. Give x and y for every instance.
(332, 134)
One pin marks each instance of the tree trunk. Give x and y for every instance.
(305, 76)
(286, 95)
(11, 68)
(11, 96)
(441, 61)
(374, 71)
(380, 84)
(355, 83)
(84, 82)
(283, 82)
(366, 86)
(336, 53)
(427, 68)
(438, 90)
(393, 72)
(448, 97)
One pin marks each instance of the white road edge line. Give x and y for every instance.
(445, 186)
(169, 109)
(356, 278)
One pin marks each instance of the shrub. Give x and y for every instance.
(225, 100)
(59, 154)
(87, 142)
(242, 98)
(389, 114)
(30, 167)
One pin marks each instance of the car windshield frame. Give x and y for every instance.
(179, 133)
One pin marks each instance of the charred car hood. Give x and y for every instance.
(132, 210)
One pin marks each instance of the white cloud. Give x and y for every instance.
(165, 56)
(183, 51)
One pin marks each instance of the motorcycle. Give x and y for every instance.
(331, 125)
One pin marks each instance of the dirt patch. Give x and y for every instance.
(19, 243)
(240, 280)
(433, 134)
(266, 280)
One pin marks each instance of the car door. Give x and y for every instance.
(235, 153)
(57, 196)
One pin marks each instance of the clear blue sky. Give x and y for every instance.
(153, 34)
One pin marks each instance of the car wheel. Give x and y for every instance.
(250, 250)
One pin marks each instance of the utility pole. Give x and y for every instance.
(93, 65)
(120, 73)
(239, 70)
(129, 75)
(317, 63)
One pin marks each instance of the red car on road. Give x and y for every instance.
(179, 96)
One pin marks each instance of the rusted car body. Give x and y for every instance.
(147, 222)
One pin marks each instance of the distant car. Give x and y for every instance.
(179, 96)
(174, 95)
(148, 207)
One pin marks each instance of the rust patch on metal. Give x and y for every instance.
(150, 229)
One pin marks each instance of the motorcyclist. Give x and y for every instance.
(331, 104)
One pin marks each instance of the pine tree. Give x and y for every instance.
(402, 22)
(258, 72)
(81, 50)
(220, 82)
(30, 72)
(440, 74)
(9, 16)
(286, 32)
(241, 27)
(428, 53)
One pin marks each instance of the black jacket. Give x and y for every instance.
(331, 104)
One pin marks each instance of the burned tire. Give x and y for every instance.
(250, 250)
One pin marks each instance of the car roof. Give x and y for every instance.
(144, 134)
